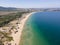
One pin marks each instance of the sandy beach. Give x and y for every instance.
(17, 36)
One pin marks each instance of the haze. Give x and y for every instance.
(31, 3)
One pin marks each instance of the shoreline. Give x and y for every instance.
(17, 36)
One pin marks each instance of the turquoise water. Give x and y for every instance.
(42, 28)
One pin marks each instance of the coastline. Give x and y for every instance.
(17, 36)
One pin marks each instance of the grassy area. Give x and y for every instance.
(5, 19)
(6, 35)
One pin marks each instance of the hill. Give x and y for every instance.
(7, 8)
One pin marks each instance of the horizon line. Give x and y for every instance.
(27, 7)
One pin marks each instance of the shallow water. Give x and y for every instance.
(42, 28)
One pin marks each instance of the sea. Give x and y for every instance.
(42, 28)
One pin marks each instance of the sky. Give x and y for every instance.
(31, 3)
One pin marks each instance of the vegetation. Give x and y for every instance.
(6, 35)
(5, 19)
